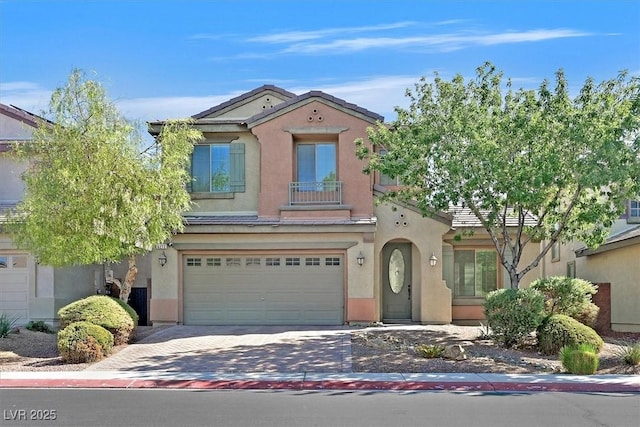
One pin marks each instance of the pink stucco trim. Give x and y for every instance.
(467, 312)
(164, 310)
(361, 310)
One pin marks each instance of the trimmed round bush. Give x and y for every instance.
(82, 342)
(580, 360)
(559, 330)
(130, 311)
(513, 314)
(100, 310)
(569, 296)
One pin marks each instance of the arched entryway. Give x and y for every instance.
(396, 282)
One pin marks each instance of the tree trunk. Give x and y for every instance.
(129, 279)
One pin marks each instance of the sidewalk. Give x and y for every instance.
(319, 381)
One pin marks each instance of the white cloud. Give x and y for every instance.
(439, 42)
(29, 96)
(298, 36)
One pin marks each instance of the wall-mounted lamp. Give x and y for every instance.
(433, 260)
(360, 259)
(163, 259)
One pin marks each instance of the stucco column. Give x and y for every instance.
(164, 287)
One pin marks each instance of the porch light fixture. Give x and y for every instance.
(163, 259)
(360, 259)
(433, 260)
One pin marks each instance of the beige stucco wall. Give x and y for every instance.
(431, 297)
(620, 267)
(255, 106)
(12, 187)
(245, 202)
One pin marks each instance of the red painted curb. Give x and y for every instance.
(318, 385)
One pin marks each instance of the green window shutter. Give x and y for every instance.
(237, 167)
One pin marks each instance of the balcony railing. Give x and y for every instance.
(315, 193)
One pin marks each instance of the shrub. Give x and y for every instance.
(39, 326)
(103, 311)
(579, 360)
(6, 324)
(568, 296)
(82, 342)
(629, 353)
(588, 315)
(130, 311)
(558, 331)
(513, 314)
(430, 351)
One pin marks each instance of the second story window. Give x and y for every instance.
(634, 211)
(217, 168)
(316, 163)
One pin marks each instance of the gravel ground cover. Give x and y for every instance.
(374, 349)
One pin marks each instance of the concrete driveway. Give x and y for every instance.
(237, 349)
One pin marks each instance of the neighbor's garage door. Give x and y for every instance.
(263, 290)
(14, 287)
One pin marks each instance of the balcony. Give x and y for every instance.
(315, 193)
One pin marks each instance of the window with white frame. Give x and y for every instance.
(475, 272)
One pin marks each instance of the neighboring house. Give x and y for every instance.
(285, 229)
(616, 262)
(28, 290)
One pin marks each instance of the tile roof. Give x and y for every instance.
(243, 97)
(627, 237)
(464, 218)
(22, 115)
(314, 94)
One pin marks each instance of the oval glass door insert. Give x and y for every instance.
(396, 271)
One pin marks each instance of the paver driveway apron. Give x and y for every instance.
(237, 349)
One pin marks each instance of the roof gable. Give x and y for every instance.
(248, 104)
(309, 97)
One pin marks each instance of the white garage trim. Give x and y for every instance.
(263, 289)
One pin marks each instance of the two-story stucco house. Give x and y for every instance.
(285, 228)
(616, 264)
(28, 290)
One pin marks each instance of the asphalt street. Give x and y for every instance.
(162, 407)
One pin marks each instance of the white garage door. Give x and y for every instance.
(289, 289)
(14, 287)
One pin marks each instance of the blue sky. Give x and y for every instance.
(164, 59)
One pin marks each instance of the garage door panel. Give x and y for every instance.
(251, 289)
(14, 287)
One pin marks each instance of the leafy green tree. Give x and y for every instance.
(92, 195)
(532, 165)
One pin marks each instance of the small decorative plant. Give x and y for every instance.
(430, 351)
(629, 353)
(579, 360)
(39, 326)
(6, 324)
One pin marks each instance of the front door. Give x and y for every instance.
(396, 282)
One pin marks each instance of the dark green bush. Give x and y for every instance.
(103, 311)
(82, 342)
(579, 360)
(559, 330)
(513, 314)
(568, 296)
(39, 326)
